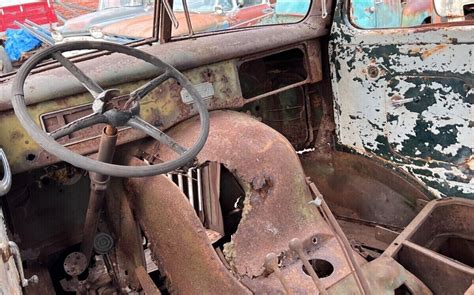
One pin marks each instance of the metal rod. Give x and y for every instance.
(297, 246)
(199, 186)
(6, 182)
(40, 35)
(190, 187)
(180, 182)
(271, 264)
(99, 183)
(171, 14)
(146, 282)
(188, 18)
(324, 9)
(342, 239)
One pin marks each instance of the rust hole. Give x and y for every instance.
(323, 268)
(30, 157)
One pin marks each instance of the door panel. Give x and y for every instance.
(405, 95)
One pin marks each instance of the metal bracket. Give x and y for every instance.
(324, 9)
(6, 182)
(15, 251)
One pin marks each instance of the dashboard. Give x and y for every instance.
(241, 84)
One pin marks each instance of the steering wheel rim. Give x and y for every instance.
(49, 144)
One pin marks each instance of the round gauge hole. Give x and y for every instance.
(323, 268)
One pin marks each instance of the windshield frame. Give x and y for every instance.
(162, 33)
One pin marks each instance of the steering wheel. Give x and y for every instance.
(125, 116)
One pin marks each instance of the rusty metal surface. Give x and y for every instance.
(178, 241)
(45, 285)
(277, 197)
(147, 283)
(384, 276)
(128, 252)
(183, 55)
(361, 188)
(9, 277)
(99, 184)
(405, 95)
(163, 107)
(428, 249)
(37, 205)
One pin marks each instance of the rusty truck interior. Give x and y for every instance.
(318, 147)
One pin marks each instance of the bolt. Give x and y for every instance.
(33, 280)
(5, 252)
(373, 71)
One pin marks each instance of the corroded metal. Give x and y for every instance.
(417, 111)
(178, 240)
(128, 253)
(163, 107)
(289, 214)
(384, 276)
(276, 206)
(183, 55)
(147, 283)
(99, 184)
(438, 246)
(11, 283)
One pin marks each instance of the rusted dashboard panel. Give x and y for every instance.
(273, 86)
(163, 107)
(54, 120)
(283, 98)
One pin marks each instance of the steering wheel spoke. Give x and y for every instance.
(78, 124)
(140, 124)
(87, 82)
(141, 92)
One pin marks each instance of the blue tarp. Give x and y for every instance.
(18, 42)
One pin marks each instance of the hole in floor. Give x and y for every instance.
(403, 290)
(323, 268)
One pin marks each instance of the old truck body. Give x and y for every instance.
(309, 153)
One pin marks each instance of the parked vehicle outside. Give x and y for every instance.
(371, 14)
(206, 16)
(88, 26)
(291, 10)
(249, 12)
